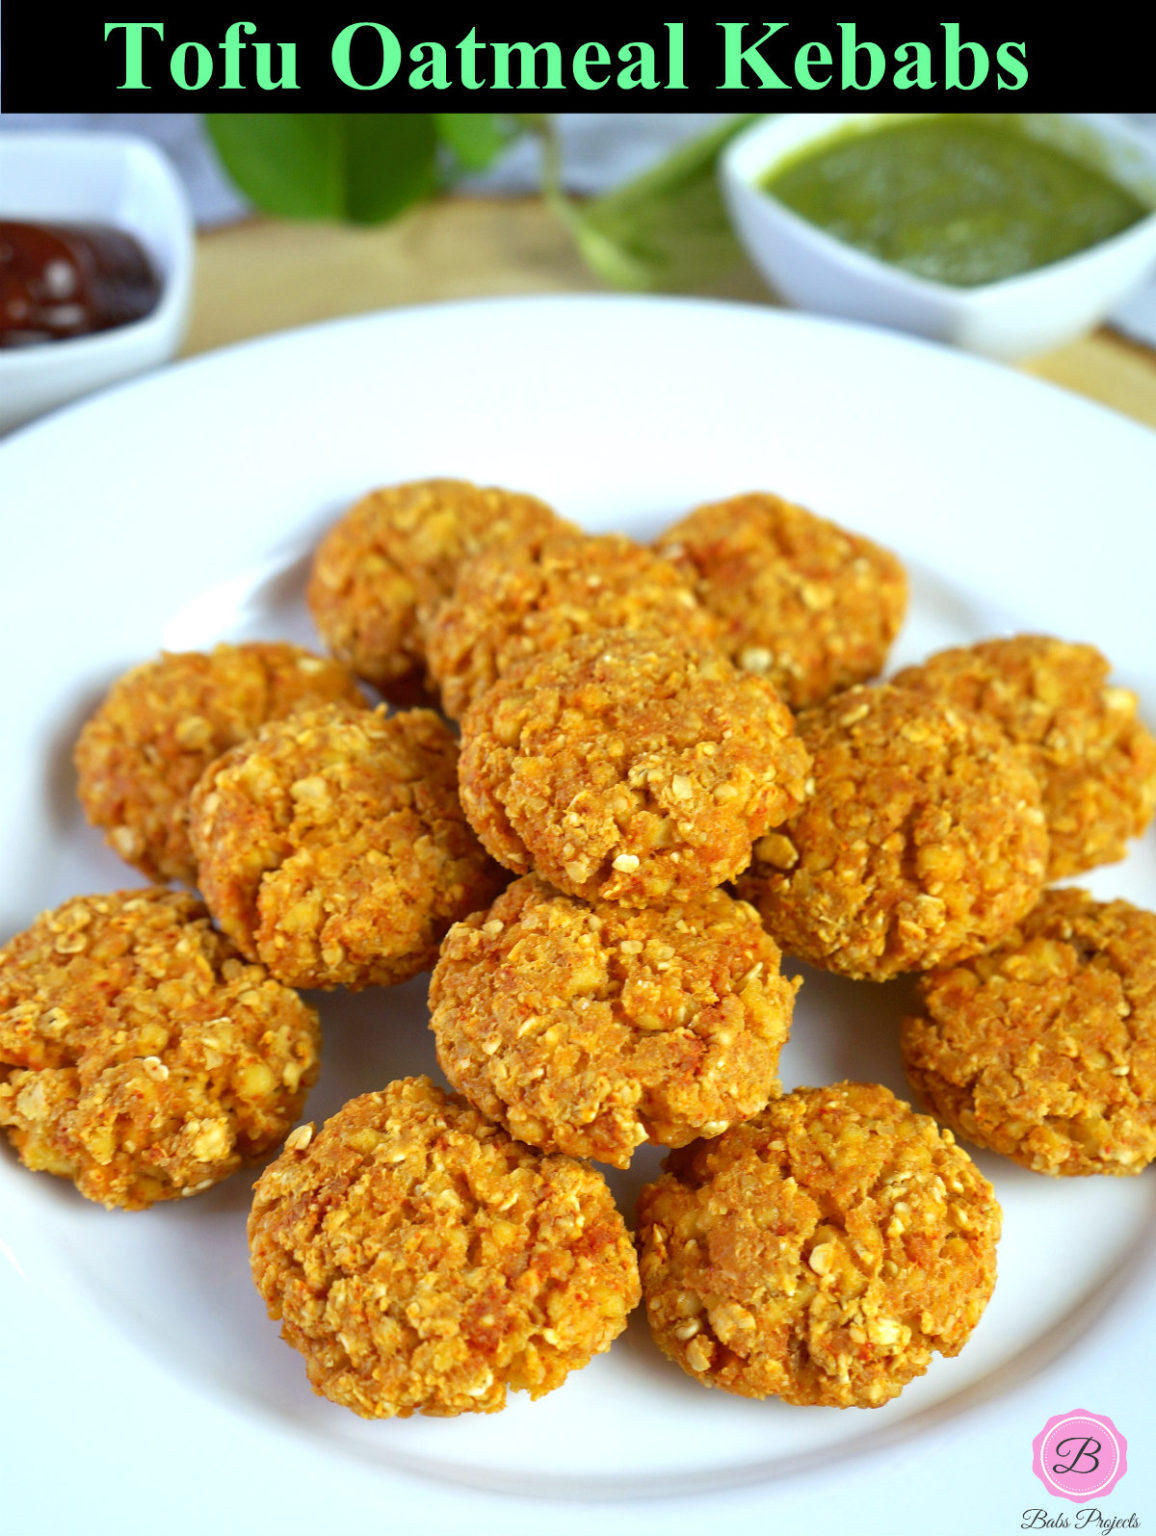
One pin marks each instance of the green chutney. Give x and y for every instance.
(958, 199)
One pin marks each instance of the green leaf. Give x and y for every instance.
(475, 139)
(360, 167)
(667, 228)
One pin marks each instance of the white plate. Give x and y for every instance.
(135, 1357)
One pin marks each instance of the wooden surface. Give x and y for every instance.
(262, 276)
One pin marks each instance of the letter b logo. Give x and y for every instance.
(1084, 1454)
(1079, 1456)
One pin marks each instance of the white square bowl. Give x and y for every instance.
(103, 178)
(1009, 319)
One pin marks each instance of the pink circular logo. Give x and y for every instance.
(1079, 1456)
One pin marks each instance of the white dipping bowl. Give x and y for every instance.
(1009, 319)
(99, 178)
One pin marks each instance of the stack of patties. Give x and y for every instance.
(629, 754)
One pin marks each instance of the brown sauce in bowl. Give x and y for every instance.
(58, 281)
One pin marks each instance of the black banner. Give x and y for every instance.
(357, 58)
